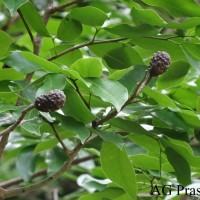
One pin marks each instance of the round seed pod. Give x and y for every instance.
(159, 63)
(50, 101)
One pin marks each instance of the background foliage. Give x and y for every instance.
(96, 51)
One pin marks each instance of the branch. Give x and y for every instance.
(143, 83)
(3, 143)
(62, 6)
(90, 43)
(13, 126)
(4, 194)
(67, 151)
(43, 172)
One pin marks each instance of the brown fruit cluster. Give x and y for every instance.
(50, 101)
(159, 63)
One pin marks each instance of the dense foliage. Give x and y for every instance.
(121, 131)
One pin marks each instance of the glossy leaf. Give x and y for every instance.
(122, 173)
(108, 193)
(74, 107)
(89, 15)
(192, 55)
(117, 56)
(10, 74)
(161, 99)
(147, 16)
(88, 67)
(174, 76)
(13, 5)
(111, 137)
(77, 127)
(190, 8)
(69, 29)
(66, 59)
(26, 163)
(126, 30)
(178, 162)
(109, 91)
(155, 44)
(5, 41)
(29, 12)
(52, 82)
(145, 162)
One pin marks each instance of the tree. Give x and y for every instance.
(129, 128)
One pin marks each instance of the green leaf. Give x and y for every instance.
(25, 62)
(145, 141)
(186, 24)
(159, 44)
(13, 5)
(68, 58)
(111, 137)
(55, 158)
(74, 107)
(51, 82)
(127, 125)
(89, 15)
(184, 150)
(190, 118)
(117, 56)
(77, 127)
(109, 91)
(69, 29)
(88, 67)
(162, 99)
(108, 193)
(145, 162)
(180, 166)
(6, 119)
(174, 76)
(171, 119)
(122, 173)
(45, 145)
(5, 41)
(126, 30)
(133, 77)
(33, 18)
(10, 74)
(192, 55)
(190, 8)
(26, 162)
(181, 95)
(32, 126)
(147, 16)
(20, 64)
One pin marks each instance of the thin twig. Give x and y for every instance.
(62, 6)
(43, 172)
(114, 112)
(90, 43)
(23, 190)
(17, 123)
(67, 151)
